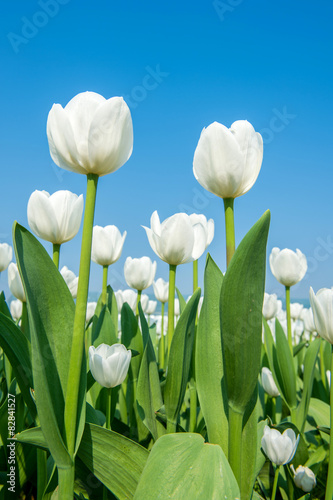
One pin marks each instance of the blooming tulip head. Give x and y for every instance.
(109, 364)
(128, 296)
(288, 267)
(91, 134)
(322, 308)
(15, 283)
(279, 448)
(304, 478)
(161, 290)
(107, 245)
(268, 383)
(6, 255)
(177, 240)
(72, 281)
(139, 273)
(270, 307)
(55, 218)
(226, 161)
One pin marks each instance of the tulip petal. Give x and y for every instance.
(177, 239)
(42, 217)
(200, 239)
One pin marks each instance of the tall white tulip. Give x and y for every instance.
(91, 135)
(71, 280)
(161, 290)
(226, 161)
(288, 267)
(6, 255)
(109, 364)
(57, 217)
(322, 308)
(279, 448)
(15, 283)
(139, 273)
(107, 245)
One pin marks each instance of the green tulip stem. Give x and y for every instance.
(322, 363)
(290, 341)
(229, 227)
(171, 304)
(105, 284)
(274, 410)
(74, 374)
(41, 472)
(24, 319)
(329, 485)
(138, 299)
(108, 409)
(66, 482)
(56, 254)
(193, 406)
(161, 352)
(195, 275)
(275, 483)
(235, 442)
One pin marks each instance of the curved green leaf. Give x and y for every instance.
(284, 367)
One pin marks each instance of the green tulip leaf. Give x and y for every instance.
(209, 359)
(115, 460)
(180, 359)
(4, 309)
(319, 411)
(182, 301)
(111, 305)
(284, 367)
(149, 397)
(51, 317)
(309, 370)
(186, 468)
(241, 303)
(16, 347)
(104, 331)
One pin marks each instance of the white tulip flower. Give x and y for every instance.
(107, 245)
(15, 282)
(288, 267)
(139, 273)
(279, 448)
(322, 308)
(6, 255)
(91, 306)
(209, 228)
(177, 240)
(91, 135)
(161, 290)
(226, 161)
(270, 306)
(129, 296)
(109, 364)
(304, 478)
(268, 383)
(307, 317)
(71, 279)
(57, 217)
(151, 307)
(296, 310)
(15, 308)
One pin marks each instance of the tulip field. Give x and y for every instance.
(223, 395)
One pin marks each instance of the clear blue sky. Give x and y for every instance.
(221, 61)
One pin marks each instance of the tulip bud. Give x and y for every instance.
(279, 448)
(304, 478)
(226, 161)
(268, 383)
(16, 309)
(6, 255)
(91, 134)
(109, 364)
(107, 245)
(161, 290)
(287, 266)
(139, 273)
(15, 283)
(55, 218)
(322, 308)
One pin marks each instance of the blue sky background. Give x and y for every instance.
(217, 61)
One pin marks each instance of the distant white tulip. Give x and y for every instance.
(270, 306)
(226, 161)
(71, 280)
(91, 134)
(57, 217)
(176, 240)
(144, 300)
(279, 448)
(151, 307)
(109, 364)
(15, 308)
(296, 310)
(322, 308)
(161, 290)
(129, 296)
(307, 317)
(6, 255)
(139, 273)
(91, 306)
(268, 383)
(288, 267)
(15, 283)
(107, 245)
(304, 478)
(177, 308)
